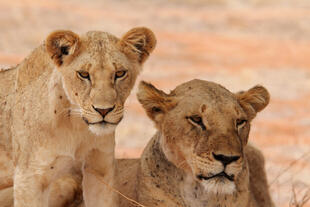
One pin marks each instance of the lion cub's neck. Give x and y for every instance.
(176, 188)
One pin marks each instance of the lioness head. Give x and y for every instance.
(99, 70)
(204, 129)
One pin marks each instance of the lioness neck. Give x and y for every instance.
(159, 183)
(171, 186)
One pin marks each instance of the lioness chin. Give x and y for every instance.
(58, 113)
(200, 156)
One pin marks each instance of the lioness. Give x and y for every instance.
(199, 156)
(59, 109)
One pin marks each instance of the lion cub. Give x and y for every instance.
(58, 112)
(200, 156)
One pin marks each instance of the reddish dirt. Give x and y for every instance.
(238, 45)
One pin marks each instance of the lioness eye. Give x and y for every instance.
(197, 120)
(240, 122)
(120, 74)
(84, 74)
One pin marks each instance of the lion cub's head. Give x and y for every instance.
(99, 70)
(204, 129)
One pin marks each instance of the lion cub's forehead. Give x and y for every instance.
(99, 42)
(102, 49)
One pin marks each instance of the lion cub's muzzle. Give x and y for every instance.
(104, 120)
(112, 116)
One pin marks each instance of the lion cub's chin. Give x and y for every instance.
(102, 129)
(219, 186)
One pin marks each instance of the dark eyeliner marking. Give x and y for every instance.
(197, 120)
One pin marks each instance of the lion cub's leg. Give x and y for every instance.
(99, 167)
(28, 189)
(66, 191)
(6, 197)
(32, 182)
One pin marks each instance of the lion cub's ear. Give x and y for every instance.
(138, 43)
(254, 100)
(155, 102)
(62, 46)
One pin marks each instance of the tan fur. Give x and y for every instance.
(181, 153)
(49, 128)
(127, 180)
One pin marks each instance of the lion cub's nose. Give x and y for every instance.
(104, 112)
(226, 160)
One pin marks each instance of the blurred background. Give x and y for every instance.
(237, 43)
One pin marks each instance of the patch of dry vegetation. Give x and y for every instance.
(300, 198)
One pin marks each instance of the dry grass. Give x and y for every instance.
(302, 199)
(285, 170)
(300, 191)
(111, 188)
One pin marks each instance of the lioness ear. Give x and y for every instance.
(138, 43)
(254, 100)
(155, 102)
(62, 46)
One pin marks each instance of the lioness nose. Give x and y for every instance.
(104, 112)
(225, 159)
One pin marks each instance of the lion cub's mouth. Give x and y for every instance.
(103, 122)
(221, 175)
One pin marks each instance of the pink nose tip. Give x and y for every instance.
(104, 112)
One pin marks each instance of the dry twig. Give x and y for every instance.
(299, 203)
(115, 190)
(289, 167)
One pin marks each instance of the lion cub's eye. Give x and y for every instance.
(196, 120)
(240, 123)
(84, 74)
(120, 74)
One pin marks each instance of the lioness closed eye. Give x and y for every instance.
(200, 156)
(59, 109)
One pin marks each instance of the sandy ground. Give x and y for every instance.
(233, 43)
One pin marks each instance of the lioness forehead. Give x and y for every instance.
(204, 90)
(211, 99)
